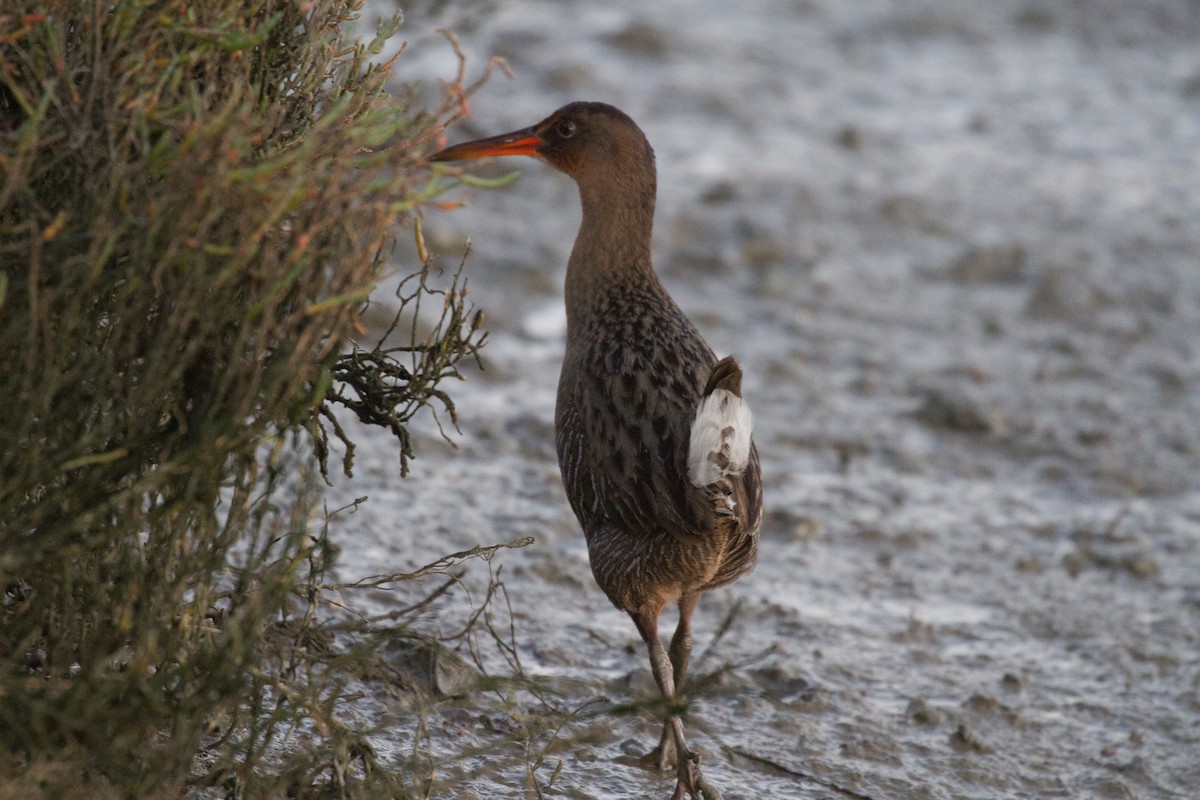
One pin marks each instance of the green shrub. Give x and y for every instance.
(196, 201)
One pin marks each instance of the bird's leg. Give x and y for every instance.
(681, 642)
(663, 755)
(681, 651)
(689, 779)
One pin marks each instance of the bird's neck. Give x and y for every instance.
(612, 250)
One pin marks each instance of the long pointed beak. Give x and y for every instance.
(524, 142)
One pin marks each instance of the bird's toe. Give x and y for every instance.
(691, 782)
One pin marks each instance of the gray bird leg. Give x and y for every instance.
(681, 642)
(681, 651)
(689, 780)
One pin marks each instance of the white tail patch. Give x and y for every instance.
(720, 442)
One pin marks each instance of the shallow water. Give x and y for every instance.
(955, 247)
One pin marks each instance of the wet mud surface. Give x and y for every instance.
(956, 247)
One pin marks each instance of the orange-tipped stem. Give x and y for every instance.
(524, 142)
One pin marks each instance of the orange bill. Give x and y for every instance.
(524, 142)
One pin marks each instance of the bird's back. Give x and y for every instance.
(633, 376)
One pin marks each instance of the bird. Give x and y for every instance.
(653, 436)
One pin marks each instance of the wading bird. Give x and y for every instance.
(652, 433)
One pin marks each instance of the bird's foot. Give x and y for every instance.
(661, 757)
(691, 783)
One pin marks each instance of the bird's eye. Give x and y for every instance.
(566, 129)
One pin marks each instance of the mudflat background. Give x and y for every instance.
(956, 246)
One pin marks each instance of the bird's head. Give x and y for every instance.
(585, 140)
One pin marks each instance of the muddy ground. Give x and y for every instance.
(956, 247)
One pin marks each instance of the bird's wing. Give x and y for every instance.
(623, 437)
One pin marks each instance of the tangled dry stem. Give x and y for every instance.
(387, 385)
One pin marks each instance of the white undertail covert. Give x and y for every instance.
(720, 440)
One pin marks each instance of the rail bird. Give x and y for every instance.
(652, 432)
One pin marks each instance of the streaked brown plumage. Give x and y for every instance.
(633, 378)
